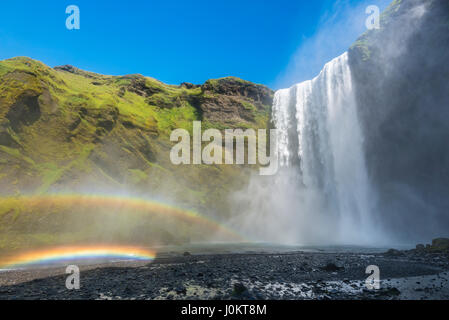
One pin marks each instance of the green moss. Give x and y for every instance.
(163, 100)
(137, 176)
(363, 47)
(391, 9)
(182, 117)
(248, 106)
(50, 173)
(4, 69)
(215, 82)
(16, 154)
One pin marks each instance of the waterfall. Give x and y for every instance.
(320, 139)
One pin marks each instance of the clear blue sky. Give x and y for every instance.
(276, 43)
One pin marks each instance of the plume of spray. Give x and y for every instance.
(322, 194)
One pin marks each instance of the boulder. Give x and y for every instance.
(331, 267)
(394, 253)
(239, 289)
(420, 247)
(440, 244)
(189, 85)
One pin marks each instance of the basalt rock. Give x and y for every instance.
(234, 101)
(440, 244)
(139, 86)
(25, 111)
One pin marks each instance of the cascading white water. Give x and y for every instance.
(319, 136)
(321, 193)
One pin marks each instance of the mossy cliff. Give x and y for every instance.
(67, 130)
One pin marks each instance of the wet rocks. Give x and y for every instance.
(239, 289)
(392, 291)
(181, 290)
(332, 267)
(420, 247)
(226, 276)
(394, 253)
(440, 244)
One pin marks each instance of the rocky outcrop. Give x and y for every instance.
(75, 70)
(233, 101)
(189, 85)
(438, 245)
(231, 86)
(138, 85)
(25, 111)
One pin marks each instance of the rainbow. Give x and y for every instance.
(132, 204)
(65, 254)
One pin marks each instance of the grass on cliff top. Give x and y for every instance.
(76, 91)
(363, 42)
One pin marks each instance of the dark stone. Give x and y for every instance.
(25, 111)
(139, 86)
(394, 253)
(181, 290)
(392, 291)
(75, 70)
(83, 112)
(6, 138)
(189, 85)
(121, 92)
(232, 100)
(236, 87)
(67, 68)
(106, 124)
(128, 124)
(440, 244)
(75, 124)
(239, 289)
(332, 267)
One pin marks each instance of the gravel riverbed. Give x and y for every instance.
(248, 276)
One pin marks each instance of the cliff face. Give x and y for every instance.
(401, 77)
(68, 130)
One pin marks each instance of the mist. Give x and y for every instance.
(337, 30)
